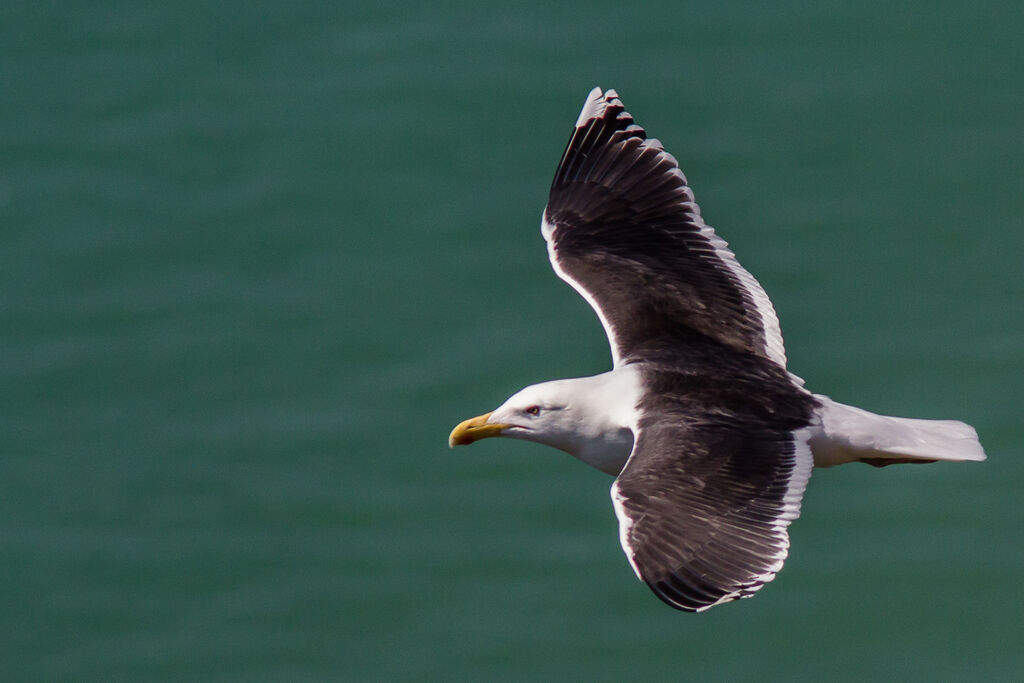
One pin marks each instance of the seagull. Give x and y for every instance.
(710, 439)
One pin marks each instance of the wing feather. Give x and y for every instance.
(624, 230)
(704, 506)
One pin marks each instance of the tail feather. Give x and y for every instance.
(849, 434)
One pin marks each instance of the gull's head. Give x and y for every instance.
(542, 412)
(590, 418)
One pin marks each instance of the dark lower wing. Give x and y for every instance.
(705, 500)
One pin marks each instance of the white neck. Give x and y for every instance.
(605, 407)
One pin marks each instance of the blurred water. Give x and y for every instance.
(258, 258)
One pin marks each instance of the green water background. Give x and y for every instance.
(257, 258)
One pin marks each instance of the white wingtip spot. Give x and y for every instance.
(592, 107)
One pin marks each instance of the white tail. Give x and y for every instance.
(848, 434)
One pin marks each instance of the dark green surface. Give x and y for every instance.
(258, 258)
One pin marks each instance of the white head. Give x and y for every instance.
(579, 416)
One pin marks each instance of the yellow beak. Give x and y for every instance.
(473, 430)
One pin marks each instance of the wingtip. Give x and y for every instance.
(591, 107)
(595, 104)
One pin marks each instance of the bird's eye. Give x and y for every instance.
(532, 410)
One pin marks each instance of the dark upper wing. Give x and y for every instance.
(706, 496)
(623, 229)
